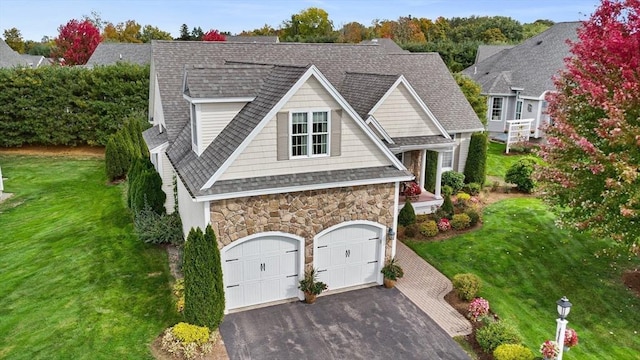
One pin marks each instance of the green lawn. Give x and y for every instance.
(526, 264)
(498, 162)
(75, 281)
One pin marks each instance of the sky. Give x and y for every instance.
(37, 18)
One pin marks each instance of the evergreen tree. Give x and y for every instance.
(475, 168)
(431, 171)
(113, 159)
(218, 286)
(407, 214)
(184, 33)
(202, 300)
(147, 190)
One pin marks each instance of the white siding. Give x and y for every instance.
(260, 157)
(191, 212)
(166, 173)
(462, 150)
(214, 117)
(156, 103)
(400, 115)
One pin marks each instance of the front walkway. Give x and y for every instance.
(426, 287)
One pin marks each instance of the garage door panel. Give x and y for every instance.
(349, 255)
(262, 269)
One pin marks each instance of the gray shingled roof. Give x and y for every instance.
(109, 53)
(252, 39)
(426, 73)
(10, 58)
(153, 137)
(408, 141)
(530, 65)
(225, 81)
(36, 60)
(390, 46)
(194, 170)
(364, 91)
(305, 179)
(487, 51)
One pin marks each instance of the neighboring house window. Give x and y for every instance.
(519, 104)
(447, 160)
(496, 108)
(194, 126)
(309, 133)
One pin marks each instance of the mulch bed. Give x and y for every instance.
(461, 306)
(81, 150)
(631, 278)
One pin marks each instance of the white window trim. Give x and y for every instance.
(448, 168)
(501, 108)
(195, 140)
(309, 133)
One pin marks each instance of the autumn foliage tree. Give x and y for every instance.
(213, 35)
(593, 151)
(76, 42)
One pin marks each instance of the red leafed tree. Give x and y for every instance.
(593, 150)
(76, 42)
(213, 35)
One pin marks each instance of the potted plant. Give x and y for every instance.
(311, 286)
(570, 339)
(391, 272)
(549, 350)
(412, 191)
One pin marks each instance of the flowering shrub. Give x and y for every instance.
(477, 308)
(570, 337)
(549, 350)
(444, 225)
(412, 189)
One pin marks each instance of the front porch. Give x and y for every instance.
(426, 203)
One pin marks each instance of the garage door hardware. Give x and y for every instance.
(323, 246)
(375, 238)
(263, 267)
(294, 275)
(347, 253)
(230, 286)
(372, 262)
(230, 260)
(292, 251)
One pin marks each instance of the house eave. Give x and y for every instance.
(237, 99)
(284, 190)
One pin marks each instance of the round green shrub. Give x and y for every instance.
(447, 190)
(520, 174)
(491, 336)
(474, 216)
(473, 188)
(513, 352)
(460, 221)
(453, 179)
(411, 231)
(429, 228)
(407, 215)
(467, 286)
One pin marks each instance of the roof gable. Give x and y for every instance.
(530, 65)
(109, 53)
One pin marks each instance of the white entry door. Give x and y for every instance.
(348, 255)
(260, 270)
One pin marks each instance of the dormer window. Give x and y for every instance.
(309, 134)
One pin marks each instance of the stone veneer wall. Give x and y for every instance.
(303, 213)
(415, 163)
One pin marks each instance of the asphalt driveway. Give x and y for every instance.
(371, 323)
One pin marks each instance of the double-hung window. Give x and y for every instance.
(496, 108)
(447, 160)
(309, 134)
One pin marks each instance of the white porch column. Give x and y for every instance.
(423, 167)
(439, 177)
(395, 218)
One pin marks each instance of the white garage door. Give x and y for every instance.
(348, 255)
(261, 270)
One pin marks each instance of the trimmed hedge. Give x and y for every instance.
(475, 168)
(454, 179)
(467, 285)
(497, 333)
(63, 105)
(520, 173)
(513, 352)
(147, 192)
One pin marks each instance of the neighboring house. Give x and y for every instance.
(486, 51)
(390, 46)
(35, 61)
(295, 153)
(517, 79)
(109, 53)
(10, 58)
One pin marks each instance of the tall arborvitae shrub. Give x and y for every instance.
(200, 301)
(407, 214)
(447, 207)
(147, 190)
(138, 166)
(431, 171)
(218, 287)
(118, 156)
(134, 128)
(475, 168)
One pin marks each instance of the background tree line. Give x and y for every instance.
(456, 38)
